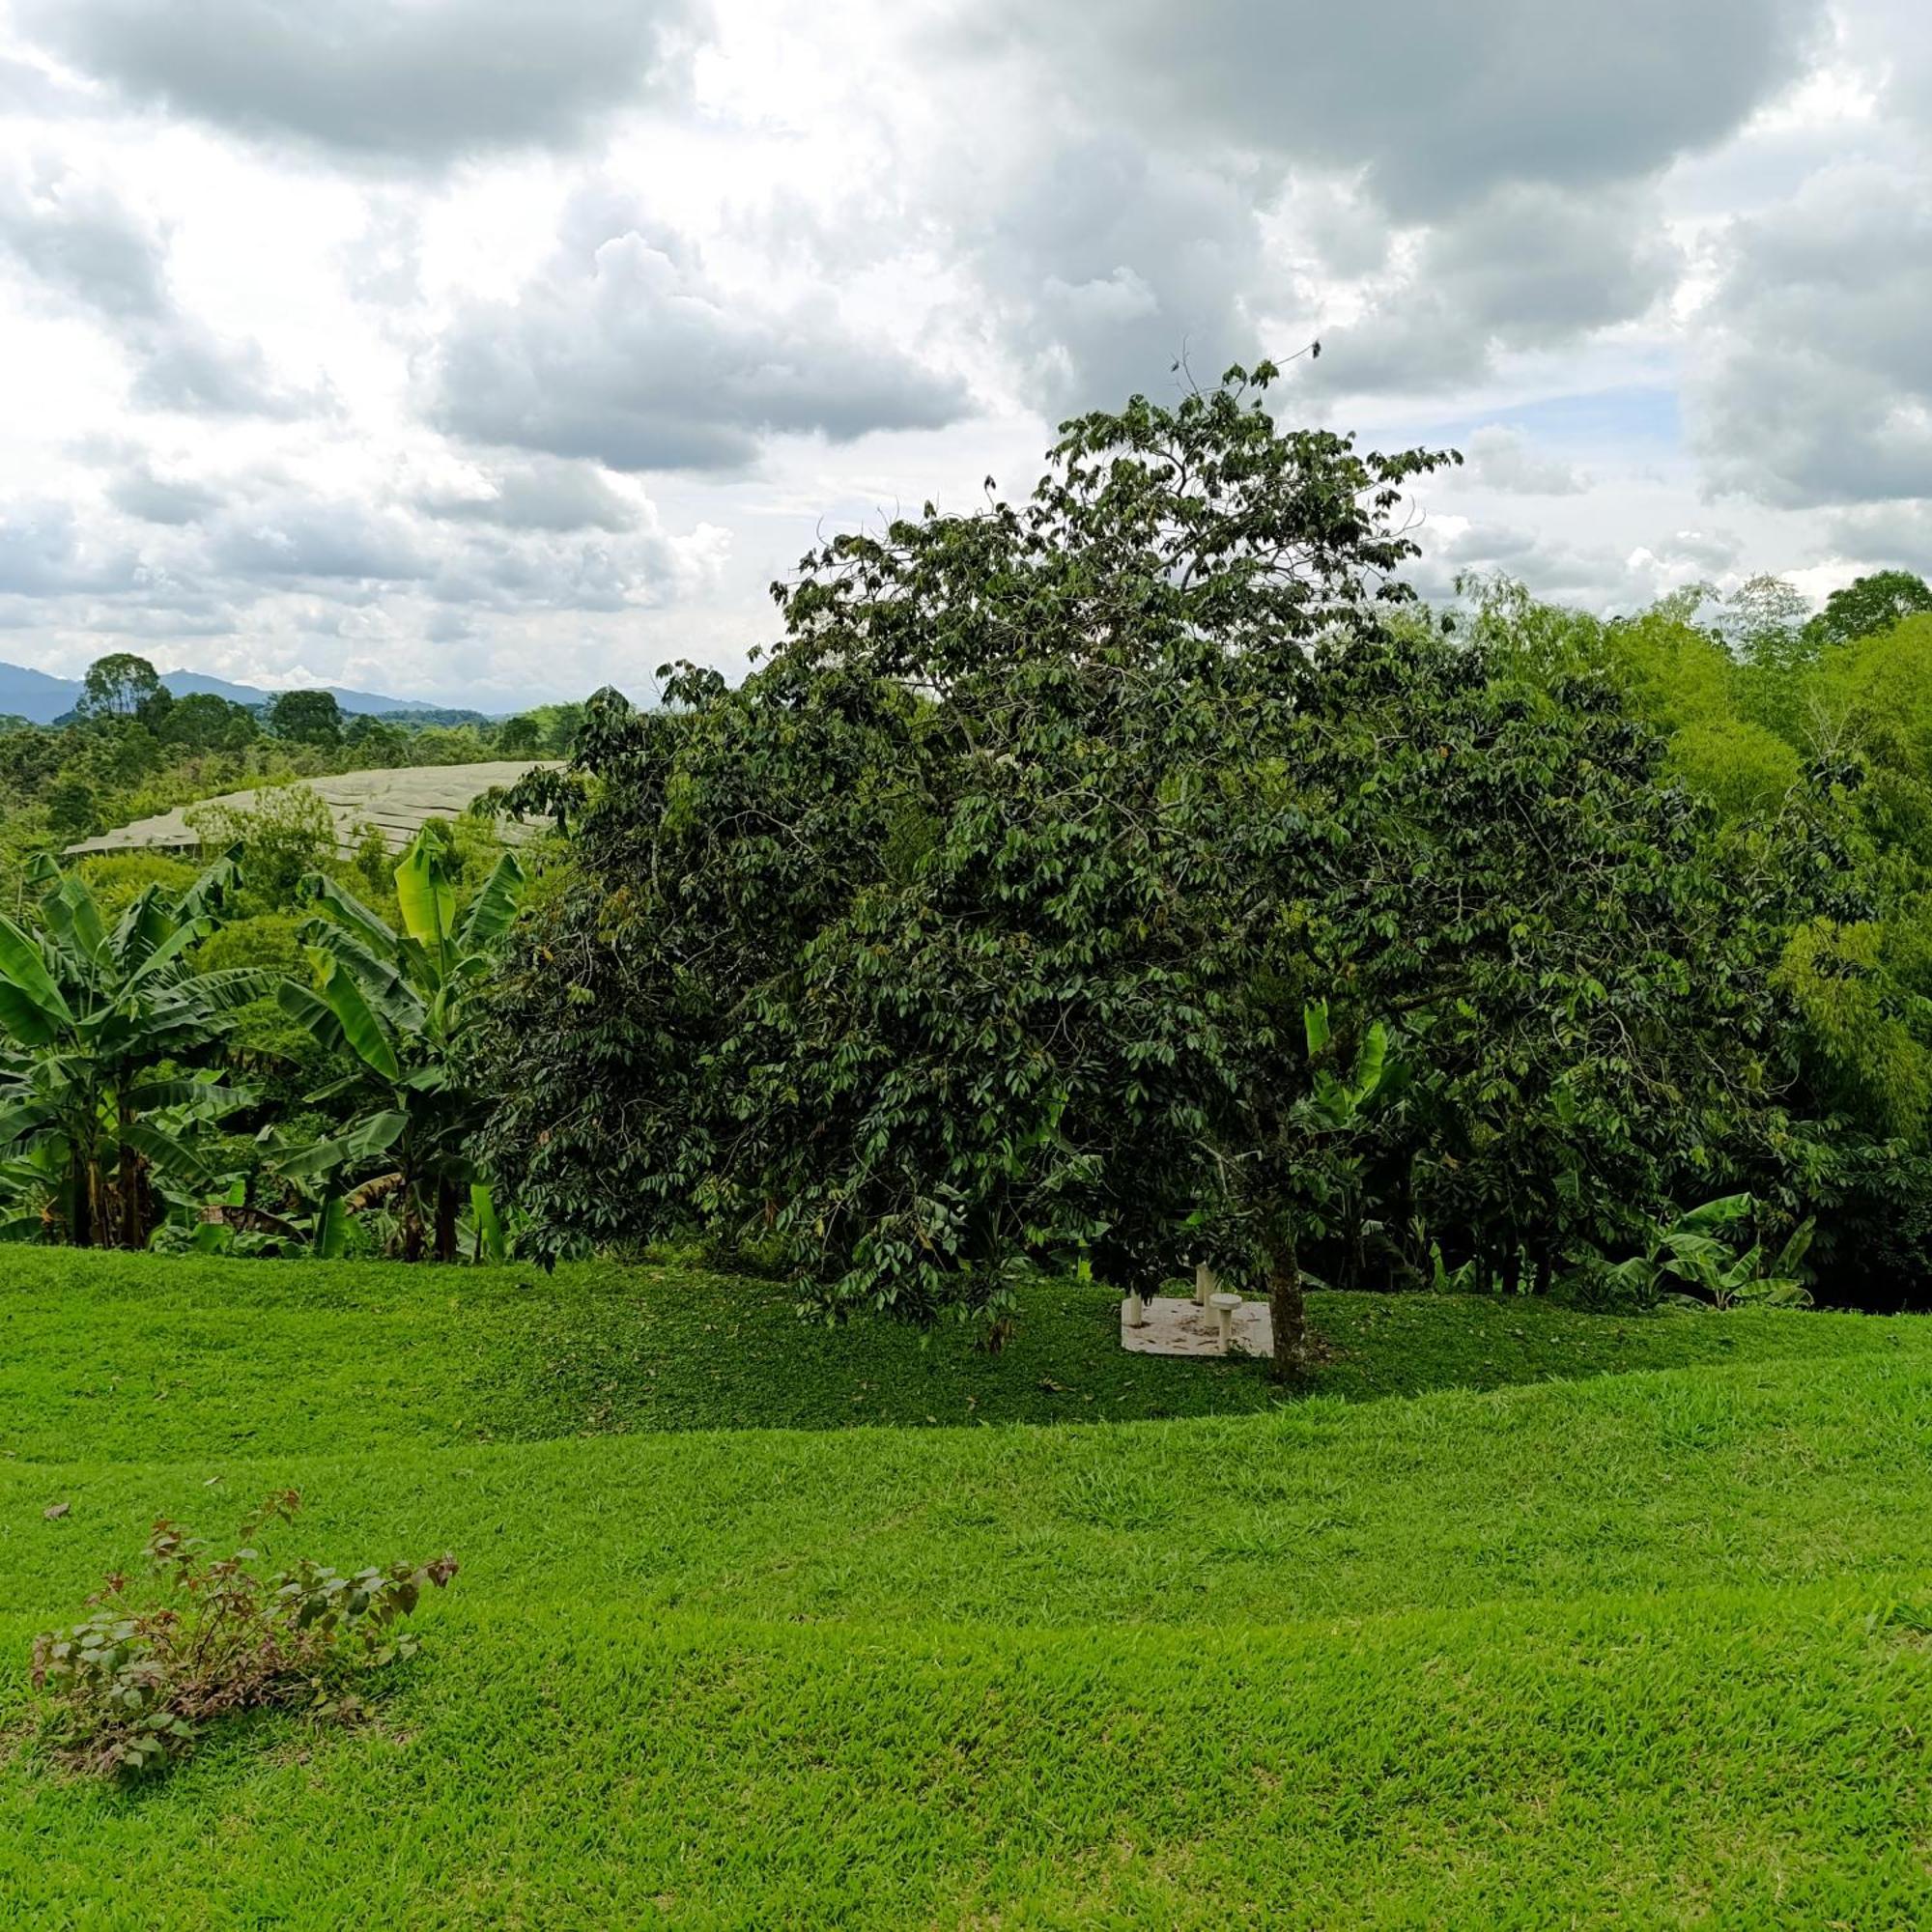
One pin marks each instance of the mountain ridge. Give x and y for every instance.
(40, 697)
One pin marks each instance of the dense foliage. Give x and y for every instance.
(105, 1030)
(1127, 877)
(396, 1009)
(1136, 875)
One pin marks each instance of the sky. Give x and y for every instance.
(489, 351)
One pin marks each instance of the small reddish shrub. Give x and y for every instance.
(130, 1688)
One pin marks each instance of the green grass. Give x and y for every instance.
(137, 1360)
(1642, 1648)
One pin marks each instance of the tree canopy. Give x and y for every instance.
(305, 717)
(1040, 896)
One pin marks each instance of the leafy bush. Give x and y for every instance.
(132, 1688)
(286, 832)
(1691, 1252)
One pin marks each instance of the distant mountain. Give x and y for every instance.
(35, 696)
(39, 698)
(184, 682)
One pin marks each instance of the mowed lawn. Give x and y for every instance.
(1523, 1618)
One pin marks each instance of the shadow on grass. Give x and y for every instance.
(664, 1348)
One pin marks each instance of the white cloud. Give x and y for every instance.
(625, 351)
(1816, 385)
(429, 80)
(1504, 459)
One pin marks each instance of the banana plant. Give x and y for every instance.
(1691, 1251)
(107, 1039)
(397, 1009)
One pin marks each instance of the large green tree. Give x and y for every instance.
(1869, 606)
(306, 717)
(984, 923)
(118, 686)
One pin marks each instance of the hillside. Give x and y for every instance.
(763, 1623)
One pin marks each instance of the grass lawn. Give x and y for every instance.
(1523, 1618)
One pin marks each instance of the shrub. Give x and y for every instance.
(131, 1686)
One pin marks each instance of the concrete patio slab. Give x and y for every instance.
(1174, 1325)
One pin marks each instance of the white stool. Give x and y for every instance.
(1224, 1306)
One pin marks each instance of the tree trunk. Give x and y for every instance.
(445, 1220)
(1512, 1268)
(131, 1201)
(80, 1202)
(412, 1223)
(1288, 1312)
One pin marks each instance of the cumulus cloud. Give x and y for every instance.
(623, 351)
(1507, 148)
(1505, 460)
(1716, 551)
(543, 494)
(1526, 269)
(161, 499)
(1102, 264)
(418, 435)
(1816, 383)
(1593, 576)
(89, 250)
(425, 81)
(1885, 535)
(44, 552)
(1439, 105)
(305, 538)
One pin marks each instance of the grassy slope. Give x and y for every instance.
(132, 1360)
(1640, 1649)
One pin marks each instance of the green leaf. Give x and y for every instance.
(167, 951)
(380, 979)
(22, 967)
(208, 995)
(1718, 1214)
(307, 1008)
(426, 893)
(71, 913)
(164, 1153)
(336, 903)
(331, 1228)
(140, 928)
(204, 1098)
(493, 908)
(1792, 1255)
(363, 1141)
(365, 1034)
(25, 1118)
(29, 1024)
(1370, 1062)
(216, 882)
(489, 1229)
(1315, 1023)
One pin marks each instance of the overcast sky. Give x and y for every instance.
(491, 350)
